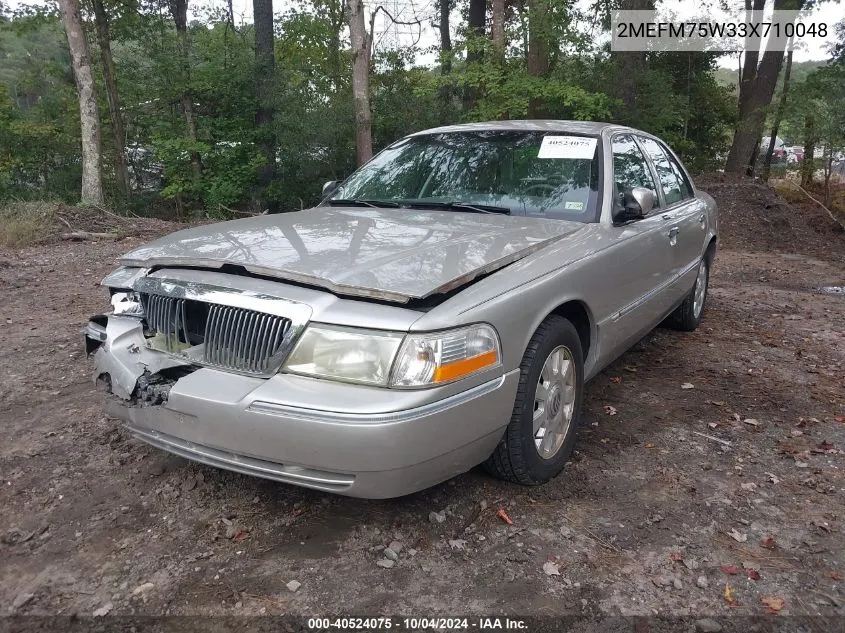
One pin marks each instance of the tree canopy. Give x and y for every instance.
(202, 122)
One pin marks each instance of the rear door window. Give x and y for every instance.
(630, 168)
(674, 185)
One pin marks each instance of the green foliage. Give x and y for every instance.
(39, 116)
(677, 96)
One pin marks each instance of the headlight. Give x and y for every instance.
(430, 359)
(127, 303)
(345, 354)
(366, 356)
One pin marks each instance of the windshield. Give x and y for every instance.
(551, 175)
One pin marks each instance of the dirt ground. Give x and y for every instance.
(708, 478)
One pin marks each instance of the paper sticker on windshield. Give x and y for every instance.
(567, 147)
(571, 205)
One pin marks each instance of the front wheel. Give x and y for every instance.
(541, 434)
(687, 316)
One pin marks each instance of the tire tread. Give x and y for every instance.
(508, 460)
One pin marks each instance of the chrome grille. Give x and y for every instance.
(233, 338)
(243, 339)
(166, 316)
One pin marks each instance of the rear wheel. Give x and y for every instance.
(541, 434)
(687, 316)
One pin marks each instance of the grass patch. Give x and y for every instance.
(27, 223)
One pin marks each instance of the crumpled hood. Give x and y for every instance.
(392, 254)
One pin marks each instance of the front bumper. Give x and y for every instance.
(348, 439)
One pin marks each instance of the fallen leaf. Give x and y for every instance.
(773, 604)
(731, 570)
(616, 379)
(824, 447)
(752, 574)
(687, 385)
(609, 410)
(241, 535)
(768, 542)
(739, 537)
(631, 369)
(835, 575)
(839, 418)
(751, 422)
(676, 556)
(728, 595)
(551, 568)
(649, 445)
(504, 516)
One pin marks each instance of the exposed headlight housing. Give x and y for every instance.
(127, 303)
(441, 357)
(391, 359)
(346, 354)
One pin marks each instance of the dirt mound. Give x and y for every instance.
(70, 219)
(755, 217)
(28, 223)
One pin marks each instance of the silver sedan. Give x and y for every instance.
(441, 308)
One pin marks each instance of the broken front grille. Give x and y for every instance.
(232, 338)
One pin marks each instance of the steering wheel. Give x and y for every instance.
(543, 188)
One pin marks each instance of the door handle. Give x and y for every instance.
(673, 232)
(701, 218)
(667, 216)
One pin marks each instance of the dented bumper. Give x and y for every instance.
(349, 439)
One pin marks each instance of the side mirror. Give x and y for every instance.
(634, 204)
(644, 198)
(329, 187)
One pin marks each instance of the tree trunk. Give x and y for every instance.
(101, 20)
(265, 70)
(179, 11)
(337, 20)
(750, 124)
(759, 89)
(749, 68)
(808, 162)
(477, 17)
(92, 176)
(538, 50)
(498, 30)
(767, 163)
(361, 42)
(445, 37)
(445, 92)
(828, 171)
(628, 67)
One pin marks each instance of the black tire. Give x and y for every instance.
(516, 458)
(684, 318)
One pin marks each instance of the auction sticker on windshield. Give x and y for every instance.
(567, 147)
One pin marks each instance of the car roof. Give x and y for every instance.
(592, 128)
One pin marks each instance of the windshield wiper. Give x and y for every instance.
(462, 206)
(361, 202)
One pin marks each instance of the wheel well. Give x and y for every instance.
(577, 314)
(710, 253)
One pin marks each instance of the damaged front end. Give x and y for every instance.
(162, 328)
(125, 365)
